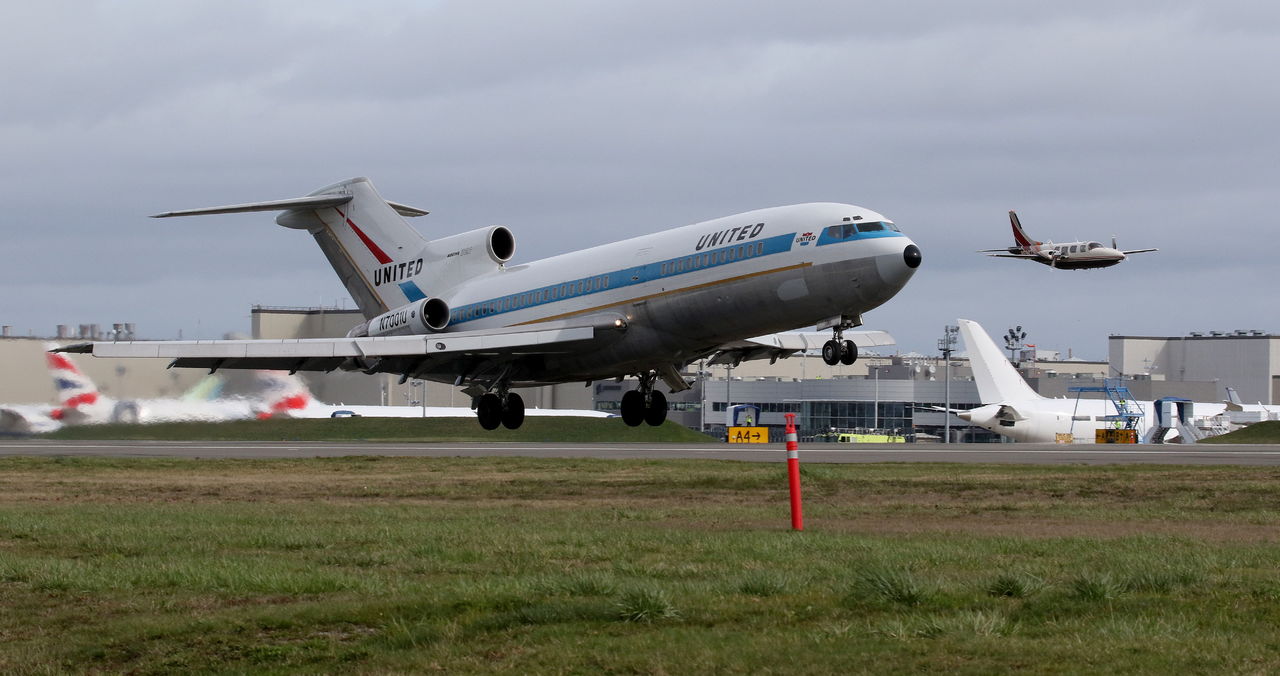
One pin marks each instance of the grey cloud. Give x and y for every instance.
(577, 123)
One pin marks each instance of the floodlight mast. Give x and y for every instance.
(947, 344)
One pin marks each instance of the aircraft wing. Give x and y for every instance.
(327, 354)
(777, 346)
(1134, 251)
(1011, 255)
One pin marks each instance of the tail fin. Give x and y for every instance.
(997, 380)
(208, 389)
(281, 394)
(1233, 400)
(1020, 237)
(76, 393)
(371, 247)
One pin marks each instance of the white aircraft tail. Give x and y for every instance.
(996, 378)
(366, 239)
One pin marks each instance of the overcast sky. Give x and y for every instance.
(579, 123)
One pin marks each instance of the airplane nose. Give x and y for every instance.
(911, 256)
(896, 266)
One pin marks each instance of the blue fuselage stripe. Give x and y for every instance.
(672, 267)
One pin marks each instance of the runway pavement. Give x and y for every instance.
(1040, 454)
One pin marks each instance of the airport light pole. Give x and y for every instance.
(875, 405)
(422, 393)
(946, 344)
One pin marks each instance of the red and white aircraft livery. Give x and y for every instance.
(81, 403)
(456, 310)
(1065, 255)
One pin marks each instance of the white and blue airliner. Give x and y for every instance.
(457, 309)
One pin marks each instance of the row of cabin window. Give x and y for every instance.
(847, 230)
(713, 258)
(1079, 248)
(533, 297)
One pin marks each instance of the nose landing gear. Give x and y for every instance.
(839, 351)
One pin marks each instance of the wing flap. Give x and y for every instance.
(782, 345)
(326, 354)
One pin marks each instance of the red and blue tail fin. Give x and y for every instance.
(76, 392)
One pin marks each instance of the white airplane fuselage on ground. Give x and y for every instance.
(1014, 410)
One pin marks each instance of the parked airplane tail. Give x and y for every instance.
(996, 378)
(78, 397)
(1020, 237)
(282, 394)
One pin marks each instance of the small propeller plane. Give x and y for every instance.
(1064, 255)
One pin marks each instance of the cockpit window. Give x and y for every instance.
(848, 230)
(1094, 245)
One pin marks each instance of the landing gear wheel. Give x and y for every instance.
(513, 412)
(633, 408)
(831, 352)
(656, 412)
(849, 354)
(489, 411)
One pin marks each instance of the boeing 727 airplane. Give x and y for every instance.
(456, 310)
(1065, 255)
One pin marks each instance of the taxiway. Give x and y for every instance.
(1038, 454)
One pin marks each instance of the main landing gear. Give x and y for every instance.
(505, 408)
(839, 351)
(644, 405)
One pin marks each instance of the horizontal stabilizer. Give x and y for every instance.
(315, 202)
(407, 211)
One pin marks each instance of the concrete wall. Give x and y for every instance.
(1249, 363)
(26, 378)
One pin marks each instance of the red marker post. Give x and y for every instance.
(793, 473)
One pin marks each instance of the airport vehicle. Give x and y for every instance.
(1011, 408)
(455, 310)
(1079, 255)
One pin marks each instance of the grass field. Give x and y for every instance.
(452, 430)
(596, 566)
(1265, 432)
